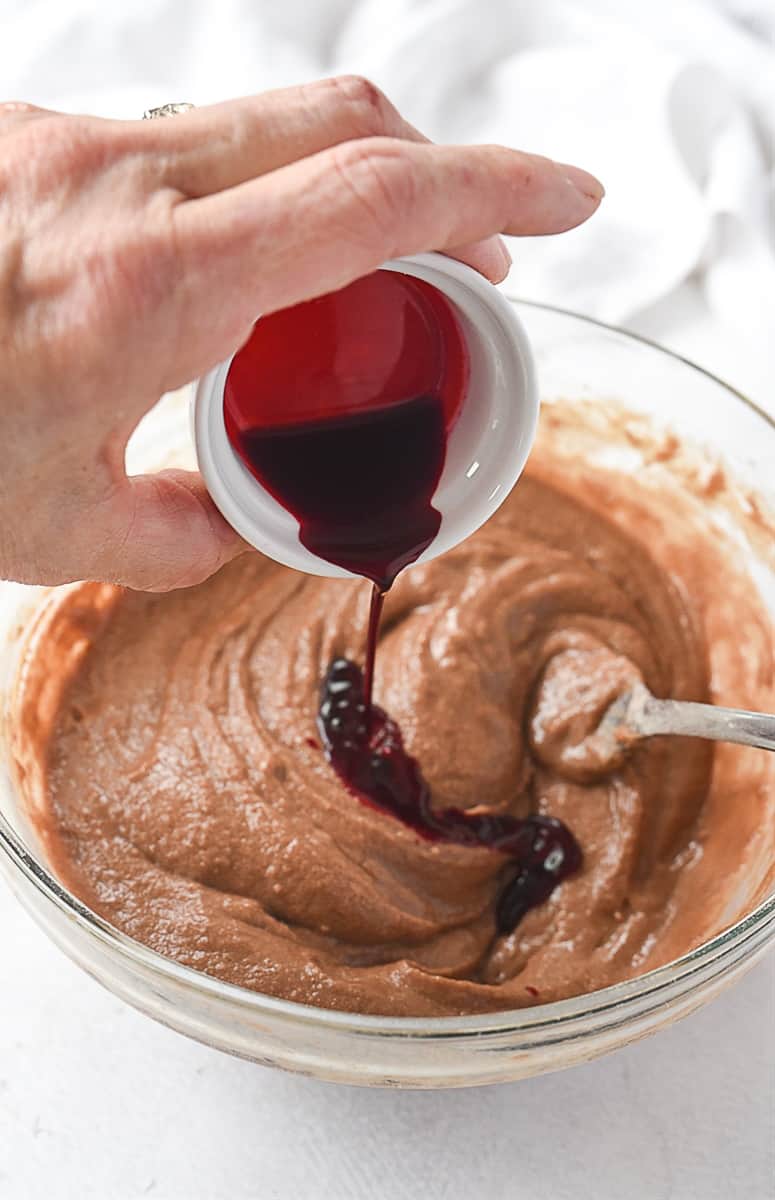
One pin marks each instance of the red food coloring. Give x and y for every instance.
(365, 747)
(341, 407)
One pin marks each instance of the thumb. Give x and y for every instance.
(162, 531)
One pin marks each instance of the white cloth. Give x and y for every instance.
(671, 103)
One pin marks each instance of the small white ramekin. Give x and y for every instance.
(487, 447)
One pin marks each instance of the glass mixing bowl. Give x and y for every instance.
(578, 359)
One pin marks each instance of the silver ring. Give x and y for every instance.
(167, 110)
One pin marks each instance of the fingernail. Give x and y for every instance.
(498, 262)
(489, 257)
(493, 260)
(505, 258)
(583, 182)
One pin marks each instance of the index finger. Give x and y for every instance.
(320, 223)
(223, 145)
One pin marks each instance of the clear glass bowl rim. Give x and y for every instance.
(530, 1019)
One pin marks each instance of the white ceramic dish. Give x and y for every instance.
(487, 449)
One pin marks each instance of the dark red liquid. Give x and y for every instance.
(341, 407)
(375, 614)
(367, 750)
(360, 485)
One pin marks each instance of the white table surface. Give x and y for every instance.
(98, 1101)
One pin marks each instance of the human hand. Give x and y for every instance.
(134, 256)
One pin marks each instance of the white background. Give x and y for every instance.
(673, 104)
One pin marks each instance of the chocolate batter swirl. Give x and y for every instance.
(186, 797)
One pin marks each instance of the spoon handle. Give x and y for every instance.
(689, 719)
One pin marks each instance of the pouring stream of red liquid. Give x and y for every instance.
(341, 407)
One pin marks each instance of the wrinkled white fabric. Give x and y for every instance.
(672, 105)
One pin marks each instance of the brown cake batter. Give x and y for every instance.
(173, 767)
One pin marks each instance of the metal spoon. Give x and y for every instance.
(637, 714)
